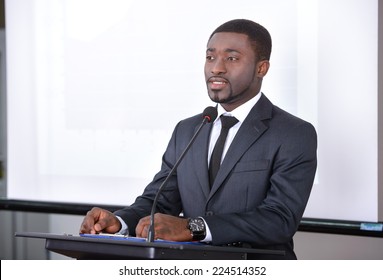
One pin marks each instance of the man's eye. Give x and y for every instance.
(231, 58)
(209, 57)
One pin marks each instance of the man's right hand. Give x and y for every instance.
(100, 220)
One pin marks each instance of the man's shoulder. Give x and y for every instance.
(291, 126)
(287, 116)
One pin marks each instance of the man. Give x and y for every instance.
(262, 186)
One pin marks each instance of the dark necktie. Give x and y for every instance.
(215, 160)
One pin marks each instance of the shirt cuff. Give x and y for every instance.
(208, 237)
(124, 227)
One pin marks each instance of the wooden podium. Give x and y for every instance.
(90, 248)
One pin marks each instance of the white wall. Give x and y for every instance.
(2, 109)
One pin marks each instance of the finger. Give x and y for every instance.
(86, 226)
(143, 227)
(98, 220)
(101, 225)
(95, 215)
(87, 223)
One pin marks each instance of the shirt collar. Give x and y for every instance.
(240, 112)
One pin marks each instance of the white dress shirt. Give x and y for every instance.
(240, 113)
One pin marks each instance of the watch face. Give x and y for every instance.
(197, 229)
(196, 225)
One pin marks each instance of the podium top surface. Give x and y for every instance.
(117, 247)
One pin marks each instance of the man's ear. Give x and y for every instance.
(262, 68)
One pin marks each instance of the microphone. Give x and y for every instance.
(209, 115)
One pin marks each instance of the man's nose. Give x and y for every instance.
(218, 67)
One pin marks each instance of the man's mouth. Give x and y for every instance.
(217, 83)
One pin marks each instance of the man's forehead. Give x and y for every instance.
(228, 40)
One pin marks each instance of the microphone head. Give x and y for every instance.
(210, 113)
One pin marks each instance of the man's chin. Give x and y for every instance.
(217, 97)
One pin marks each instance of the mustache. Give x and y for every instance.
(217, 79)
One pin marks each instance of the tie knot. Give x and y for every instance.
(228, 121)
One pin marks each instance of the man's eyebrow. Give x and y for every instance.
(228, 50)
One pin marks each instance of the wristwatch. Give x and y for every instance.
(197, 228)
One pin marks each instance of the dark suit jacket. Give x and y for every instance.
(261, 189)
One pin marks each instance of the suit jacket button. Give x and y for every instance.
(209, 213)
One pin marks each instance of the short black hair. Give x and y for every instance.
(258, 35)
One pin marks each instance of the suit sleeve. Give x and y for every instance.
(277, 218)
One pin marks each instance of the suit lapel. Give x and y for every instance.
(251, 129)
